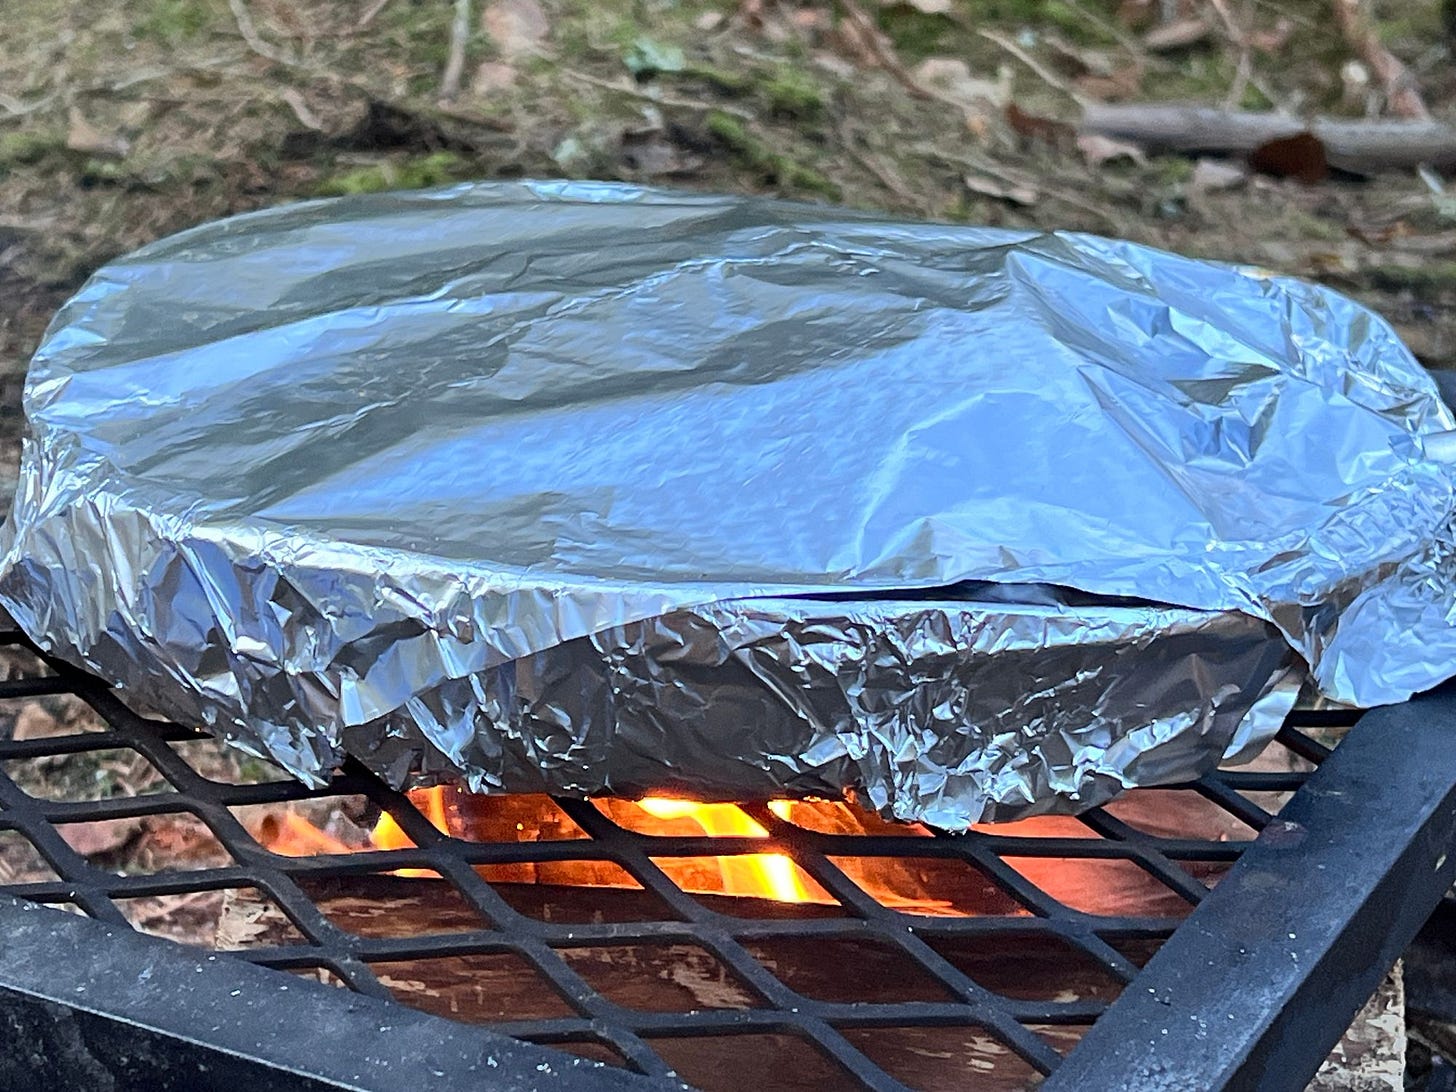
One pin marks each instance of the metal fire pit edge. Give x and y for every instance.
(142, 1013)
(1251, 992)
(1256, 987)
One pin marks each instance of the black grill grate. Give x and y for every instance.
(969, 1001)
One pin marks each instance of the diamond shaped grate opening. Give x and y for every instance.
(1018, 938)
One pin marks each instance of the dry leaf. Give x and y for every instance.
(1179, 34)
(1080, 60)
(1274, 38)
(83, 137)
(1038, 128)
(517, 27)
(929, 7)
(1097, 149)
(1213, 175)
(102, 836)
(709, 20)
(650, 152)
(1015, 193)
(951, 79)
(33, 722)
(1301, 156)
(493, 76)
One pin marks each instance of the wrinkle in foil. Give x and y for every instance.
(594, 488)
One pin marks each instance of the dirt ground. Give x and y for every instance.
(125, 121)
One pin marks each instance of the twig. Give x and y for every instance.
(1050, 78)
(1015, 178)
(455, 63)
(16, 108)
(887, 176)
(879, 48)
(651, 96)
(370, 14)
(306, 117)
(1401, 94)
(1239, 39)
(250, 35)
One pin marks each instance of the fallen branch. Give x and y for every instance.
(1365, 146)
(455, 62)
(874, 42)
(17, 109)
(1401, 95)
(255, 41)
(1047, 76)
(370, 14)
(653, 96)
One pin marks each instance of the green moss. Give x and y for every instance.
(1172, 170)
(173, 21)
(915, 34)
(750, 152)
(791, 94)
(21, 149)
(435, 169)
(720, 79)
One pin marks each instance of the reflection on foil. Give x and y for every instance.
(591, 488)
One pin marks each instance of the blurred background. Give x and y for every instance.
(129, 120)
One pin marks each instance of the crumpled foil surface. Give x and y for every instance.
(591, 488)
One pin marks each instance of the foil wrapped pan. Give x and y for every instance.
(591, 488)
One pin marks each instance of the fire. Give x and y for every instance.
(764, 875)
(915, 885)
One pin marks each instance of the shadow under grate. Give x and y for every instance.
(1014, 940)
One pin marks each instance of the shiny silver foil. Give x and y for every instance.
(592, 488)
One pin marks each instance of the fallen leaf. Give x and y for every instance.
(1097, 149)
(102, 836)
(1080, 60)
(1179, 34)
(517, 27)
(1038, 128)
(33, 722)
(1125, 83)
(1015, 193)
(929, 7)
(493, 76)
(83, 137)
(1273, 39)
(709, 20)
(1301, 156)
(951, 78)
(652, 153)
(648, 57)
(1213, 175)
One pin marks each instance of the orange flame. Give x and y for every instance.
(772, 876)
(764, 875)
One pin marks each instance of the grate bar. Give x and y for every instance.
(1299, 933)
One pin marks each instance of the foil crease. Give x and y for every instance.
(587, 488)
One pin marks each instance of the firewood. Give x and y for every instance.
(1360, 146)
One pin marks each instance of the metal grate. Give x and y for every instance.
(978, 977)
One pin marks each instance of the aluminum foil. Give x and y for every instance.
(594, 488)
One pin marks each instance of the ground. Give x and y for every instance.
(122, 122)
